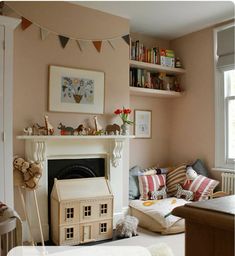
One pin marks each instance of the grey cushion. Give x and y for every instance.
(200, 168)
(134, 192)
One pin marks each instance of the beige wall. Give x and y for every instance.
(183, 129)
(192, 121)
(154, 151)
(32, 57)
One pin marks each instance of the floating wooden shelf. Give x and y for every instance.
(146, 92)
(156, 67)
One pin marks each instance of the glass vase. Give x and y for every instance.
(125, 129)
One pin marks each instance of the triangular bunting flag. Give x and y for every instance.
(63, 40)
(79, 45)
(126, 38)
(111, 45)
(25, 23)
(97, 45)
(44, 33)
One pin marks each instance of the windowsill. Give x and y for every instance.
(217, 169)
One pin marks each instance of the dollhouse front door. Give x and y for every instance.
(86, 233)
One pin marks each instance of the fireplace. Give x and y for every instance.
(74, 169)
(62, 169)
(112, 151)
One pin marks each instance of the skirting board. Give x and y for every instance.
(35, 231)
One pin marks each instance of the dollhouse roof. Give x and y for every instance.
(80, 188)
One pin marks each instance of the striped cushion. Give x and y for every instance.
(201, 186)
(173, 177)
(148, 183)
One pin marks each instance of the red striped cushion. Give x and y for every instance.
(148, 183)
(201, 186)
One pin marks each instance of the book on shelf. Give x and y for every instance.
(164, 57)
(142, 78)
(140, 53)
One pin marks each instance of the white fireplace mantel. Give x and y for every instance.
(114, 148)
(36, 146)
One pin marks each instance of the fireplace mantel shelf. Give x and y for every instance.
(36, 145)
(73, 137)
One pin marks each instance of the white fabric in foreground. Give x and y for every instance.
(160, 249)
(81, 251)
(159, 209)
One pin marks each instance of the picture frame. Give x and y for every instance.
(76, 90)
(143, 124)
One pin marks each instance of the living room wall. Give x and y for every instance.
(32, 58)
(153, 151)
(193, 126)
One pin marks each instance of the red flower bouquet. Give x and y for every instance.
(123, 113)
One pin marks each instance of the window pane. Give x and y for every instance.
(231, 129)
(230, 82)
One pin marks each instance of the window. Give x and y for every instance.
(229, 83)
(69, 213)
(69, 233)
(87, 211)
(224, 97)
(103, 227)
(103, 209)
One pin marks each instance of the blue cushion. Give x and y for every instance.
(134, 192)
(200, 168)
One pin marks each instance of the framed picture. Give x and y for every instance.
(76, 90)
(143, 122)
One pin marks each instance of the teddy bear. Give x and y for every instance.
(30, 173)
(33, 175)
(127, 227)
(20, 164)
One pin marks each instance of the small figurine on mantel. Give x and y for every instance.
(49, 128)
(28, 131)
(65, 130)
(98, 127)
(113, 129)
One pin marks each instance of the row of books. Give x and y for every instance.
(143, 78)
(153, 55)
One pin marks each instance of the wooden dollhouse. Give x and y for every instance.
(81, 211)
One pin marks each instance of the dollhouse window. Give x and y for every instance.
(103, 209)
(69, 213)
(69, 233)
(87, 211)
(103, 227)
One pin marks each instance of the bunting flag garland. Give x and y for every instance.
(111, 44)
(63, 40)
(126, 38)
(97, 45)
(44, 33)
(25, 23)
(79, 45)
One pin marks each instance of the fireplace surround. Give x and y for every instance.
(113, 149)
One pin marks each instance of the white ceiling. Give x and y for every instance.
(167, 19)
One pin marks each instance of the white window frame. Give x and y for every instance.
(221, 107)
